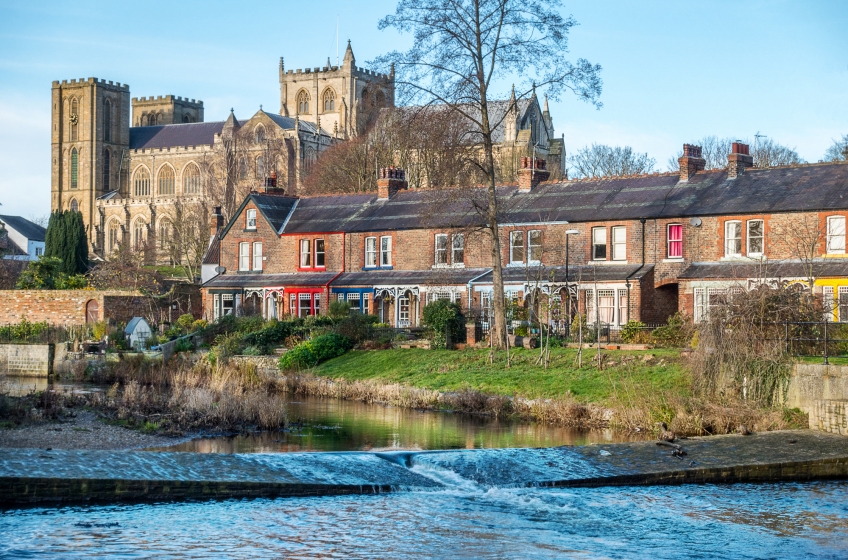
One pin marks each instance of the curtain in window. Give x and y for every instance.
(606, 306)
(675, 241)
(836, 234)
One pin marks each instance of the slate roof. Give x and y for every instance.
(739, 270)
(585, 274)
(432, 277)
(269, 280)
(173, 135)
(287, 123)
(30, 230)
(213, 251)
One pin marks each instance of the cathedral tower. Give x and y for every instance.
(90, 137)
(340, 98)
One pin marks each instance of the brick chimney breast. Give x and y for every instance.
(217, 221)
(739, 159)
(690, 162)
(532, 172)
(390, 182)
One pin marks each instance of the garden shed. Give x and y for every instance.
(137, 332)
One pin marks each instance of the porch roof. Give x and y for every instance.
(740, 270)
(270, 280)
(582, 274)
(432, 277)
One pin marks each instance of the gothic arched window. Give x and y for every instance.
(329, 100)
(260, 167)
(74, 117)
(164, 234)
(191, 179)
(74, 205)
(107, 121)
(167, 180)
(308, 159)
(242, 168)
(74, 168)
(303, 102)
(142, 182)
(139, 234)
(106, 168)
(186, 119)
(260, 134)
(114, 236)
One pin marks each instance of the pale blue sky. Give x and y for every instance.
(673, 71)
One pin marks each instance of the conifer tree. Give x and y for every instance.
(65, 240)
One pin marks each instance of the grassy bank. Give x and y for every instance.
(632, 391)
(447, 371)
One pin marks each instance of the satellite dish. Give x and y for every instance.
(695, 222)
(220, 269)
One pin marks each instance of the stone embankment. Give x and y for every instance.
(31, 476)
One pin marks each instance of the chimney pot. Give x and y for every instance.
(691, 161)
(739, 160)
(533, 171)
(217, 221)
(391, 180)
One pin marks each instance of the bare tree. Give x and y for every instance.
(599, 160)
(189, 236)
(838, 151)
(766, 153)
(460, 49)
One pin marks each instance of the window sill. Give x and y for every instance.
(674, 260)
(444, 266)
(249, 230)
(367, 268)
(607, 262)
(249, 272)
(834, 255)
(743, 258)
(313, 269)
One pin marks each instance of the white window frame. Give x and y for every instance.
(305, 253)
(737, 241)
(622, 305)
(458, 249)
(836, 235)
(514, 247)
(244, 256)
(619, 246)
(534, 247)
(370, 252)
(842, 304)
(257, 255)
(386, 250)
(597, 243)
(251, 219)
(761, 237)
(224, 308)
(440, 256)
(322, 253)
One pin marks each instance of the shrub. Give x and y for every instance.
(338, 309)
(446, 320)
(356, 327)
(184, 345)
(272, 335)
(588, 331)
(520, 331)
(186, 322)
(675, 334)
(311, 352)
(635, 332)
(199, 325)
(99, 330)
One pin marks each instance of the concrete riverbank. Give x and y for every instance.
(32, 476)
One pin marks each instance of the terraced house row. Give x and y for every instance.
(626, 248)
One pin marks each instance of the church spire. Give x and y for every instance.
(349, 59)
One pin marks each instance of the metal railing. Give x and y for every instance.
(824, 339)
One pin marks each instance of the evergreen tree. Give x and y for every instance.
(65, 240)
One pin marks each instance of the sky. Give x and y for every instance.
(673, 72)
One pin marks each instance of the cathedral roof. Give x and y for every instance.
(174, 135)
(287, 123)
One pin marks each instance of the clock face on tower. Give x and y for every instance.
(74, 118)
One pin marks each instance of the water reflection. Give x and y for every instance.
(16, 386)
(336, 425)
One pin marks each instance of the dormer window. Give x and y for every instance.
(251, 219)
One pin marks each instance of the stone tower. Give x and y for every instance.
(340, 98)
(90, 139)
(165, 109)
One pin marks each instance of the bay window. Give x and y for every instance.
(732, 238)
(599, 244)
(675, 241)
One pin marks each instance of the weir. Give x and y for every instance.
(34, 476)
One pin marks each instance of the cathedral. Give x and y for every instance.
(141, 170)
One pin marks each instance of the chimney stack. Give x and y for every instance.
(390, 182)
(690, 162)
(270, 186)
(532, 173)
(217, 221)
(738, 160)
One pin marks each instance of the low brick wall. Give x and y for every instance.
(830, 416)
(34, 360)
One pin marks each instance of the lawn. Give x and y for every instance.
(168, 271)
(447, 370)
